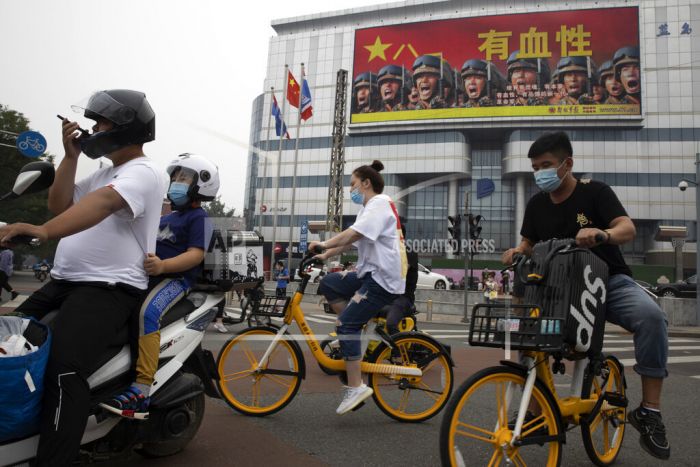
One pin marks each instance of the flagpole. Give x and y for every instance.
(279, 163)
(267, 150)
(294, 176)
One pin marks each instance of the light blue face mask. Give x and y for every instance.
(357, 197)
(547, 179)
(177, 193)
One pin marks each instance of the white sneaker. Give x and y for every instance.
(221, 328)
(353, 397)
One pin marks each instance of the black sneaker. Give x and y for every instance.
(14, 294)
(652, 430)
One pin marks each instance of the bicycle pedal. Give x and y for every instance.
(359, 406)
(615, 399)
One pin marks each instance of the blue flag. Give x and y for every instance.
(280, 127)
(306, 108)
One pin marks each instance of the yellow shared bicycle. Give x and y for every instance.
(513, 414)
(261, 368)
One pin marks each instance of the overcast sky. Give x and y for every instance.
(201, 63)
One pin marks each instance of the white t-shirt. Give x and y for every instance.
(114, 250)
(381, 250)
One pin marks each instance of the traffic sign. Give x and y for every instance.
(31, 143)
(303, 236)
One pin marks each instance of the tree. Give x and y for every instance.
(32, 209)
(217, 208)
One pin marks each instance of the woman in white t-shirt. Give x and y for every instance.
(380, 276)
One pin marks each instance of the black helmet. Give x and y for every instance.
(426, 64)
(567, 64)
(496, 81)
(133, 118)
(624, 56)
(365, 79)
(605, 70)
(394, 72)
(514, 62)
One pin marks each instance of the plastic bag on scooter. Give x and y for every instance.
(22, 381)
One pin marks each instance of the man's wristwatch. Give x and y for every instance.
(609, 236)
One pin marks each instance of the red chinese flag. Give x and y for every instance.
(293, 90)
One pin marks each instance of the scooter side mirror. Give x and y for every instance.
(33, 177)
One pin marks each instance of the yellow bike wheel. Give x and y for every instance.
(603, 437)
(477, 428)
(264, 391)
(410, 398)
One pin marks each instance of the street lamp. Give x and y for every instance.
(683, 185)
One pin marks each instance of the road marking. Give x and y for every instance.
(456, 331)
(316, 320)
(448, 336)
(628, 349)
(696, 376)
(693, 359)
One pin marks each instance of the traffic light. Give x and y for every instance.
(474, 227)
(455, 228)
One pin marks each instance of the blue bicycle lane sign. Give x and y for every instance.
(31, 143)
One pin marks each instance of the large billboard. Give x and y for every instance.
(574, 63)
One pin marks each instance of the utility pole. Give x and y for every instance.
(467, 254)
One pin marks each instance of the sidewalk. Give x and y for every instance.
(673, 331)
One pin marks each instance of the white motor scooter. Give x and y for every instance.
(186, 372)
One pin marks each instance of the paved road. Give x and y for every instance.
(309, 433)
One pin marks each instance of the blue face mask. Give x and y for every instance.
(547, 179)
(357, 197)
(177, 193)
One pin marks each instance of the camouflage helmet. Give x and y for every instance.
(514, 62)
(605, 70)
(624, 56)
(365, 79)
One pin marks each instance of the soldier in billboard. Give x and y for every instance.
(394, 88)
(599, 94)
(427, 70)
(447, 80)
(413, 97)
(575, 74)
(527, 77)
(613, 88)
(626, 62)
(365, 95)
(481, 82)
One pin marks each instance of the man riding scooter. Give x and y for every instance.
(107, 224)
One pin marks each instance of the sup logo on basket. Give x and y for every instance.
(586, 320)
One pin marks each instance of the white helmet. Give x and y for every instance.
(205, 176)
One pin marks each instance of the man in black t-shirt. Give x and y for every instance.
(583, 209)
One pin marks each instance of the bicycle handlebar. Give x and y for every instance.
(309, 259)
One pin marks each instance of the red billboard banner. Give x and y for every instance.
(550, 64)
